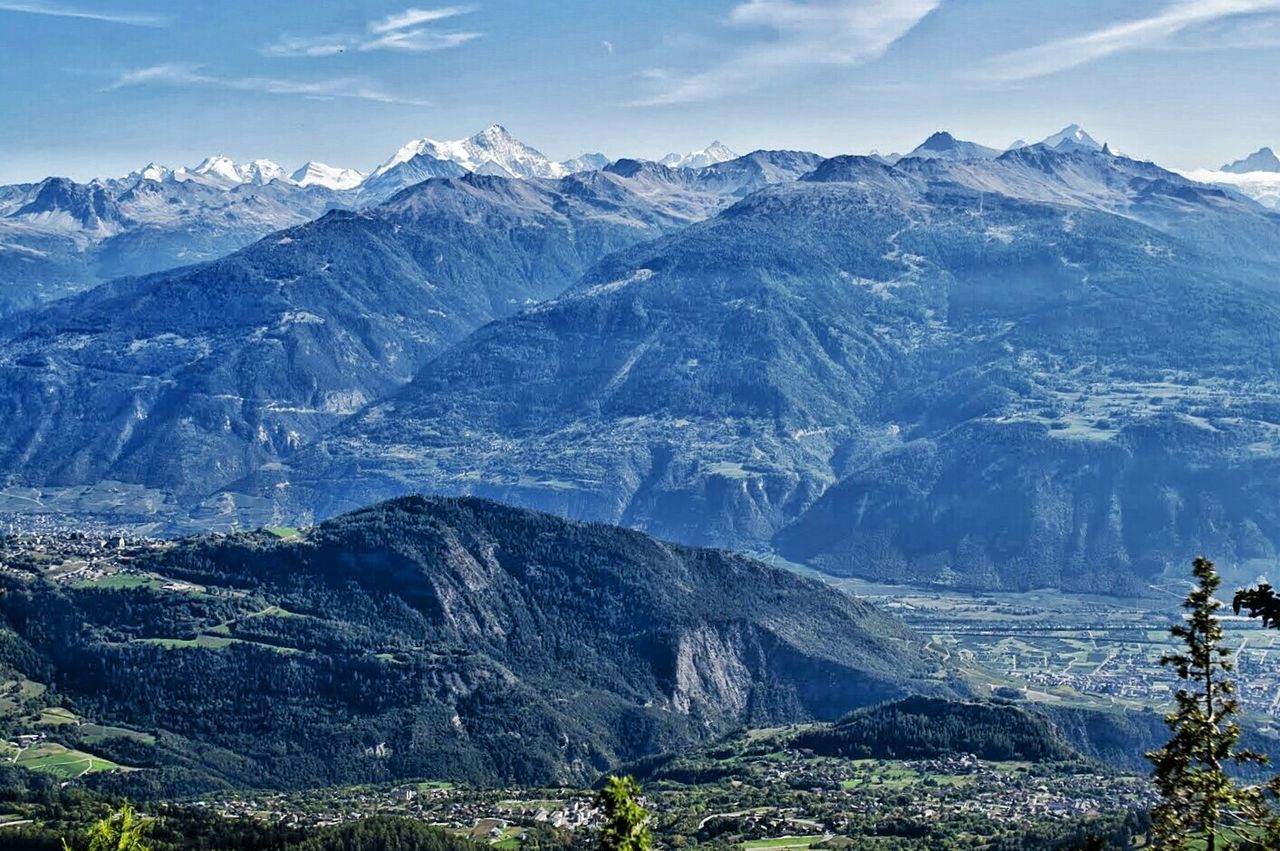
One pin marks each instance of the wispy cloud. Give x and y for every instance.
(57, 10)
(608, 46)
(798, 36)
(419, 41)
(416, 17)
(324, 45)
(1240, 32)
(403, 31)
(1155, 31)
(177, 74)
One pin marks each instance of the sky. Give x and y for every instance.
(101, 87)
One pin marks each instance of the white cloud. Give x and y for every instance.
(608, 46)
(402, 31)
(57, 10)
(325, 45)
(177, 74)
(414, 17)
(1154, 31)
(798, 36)
(418, 41)
(174, 73)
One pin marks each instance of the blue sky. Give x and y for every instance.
(99, 87)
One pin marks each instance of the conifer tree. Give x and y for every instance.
(1198, 797)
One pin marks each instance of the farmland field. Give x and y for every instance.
(781, 842)
(58, 760)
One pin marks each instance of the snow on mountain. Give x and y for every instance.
(224, 172)
(378, 186)
(1071, 138)
(217, 170)
(491, 151)
(710, 155)
(314, 173)
(261, 172)
(60, 205)
(1263, 159)
(152, 171)
(586, 162)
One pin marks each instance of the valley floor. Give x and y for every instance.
(1072, 650)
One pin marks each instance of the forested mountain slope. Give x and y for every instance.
(446, 638)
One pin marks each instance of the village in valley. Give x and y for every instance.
(1059, 649)
(788, 798)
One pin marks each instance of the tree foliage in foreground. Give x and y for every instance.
(1199, 799)
(183, 829)
(626, 821)
(123, 830)
(1261, 602)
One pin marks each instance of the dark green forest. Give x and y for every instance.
(441, 638)
(924, 728)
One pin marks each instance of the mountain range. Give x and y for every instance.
(832, 363)
(714, 153)
(58, 237)
(826, 358)
(236, 362)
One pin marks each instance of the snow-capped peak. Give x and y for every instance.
(495, 145)
(714, 153)
(315, 173)
(491, 151)
(219, 169)
(261, 172)
(154, 172)
(1072, 138)
(496, 134)
(409, 150)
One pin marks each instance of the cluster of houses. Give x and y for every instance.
(493, 815)
(73, 554)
